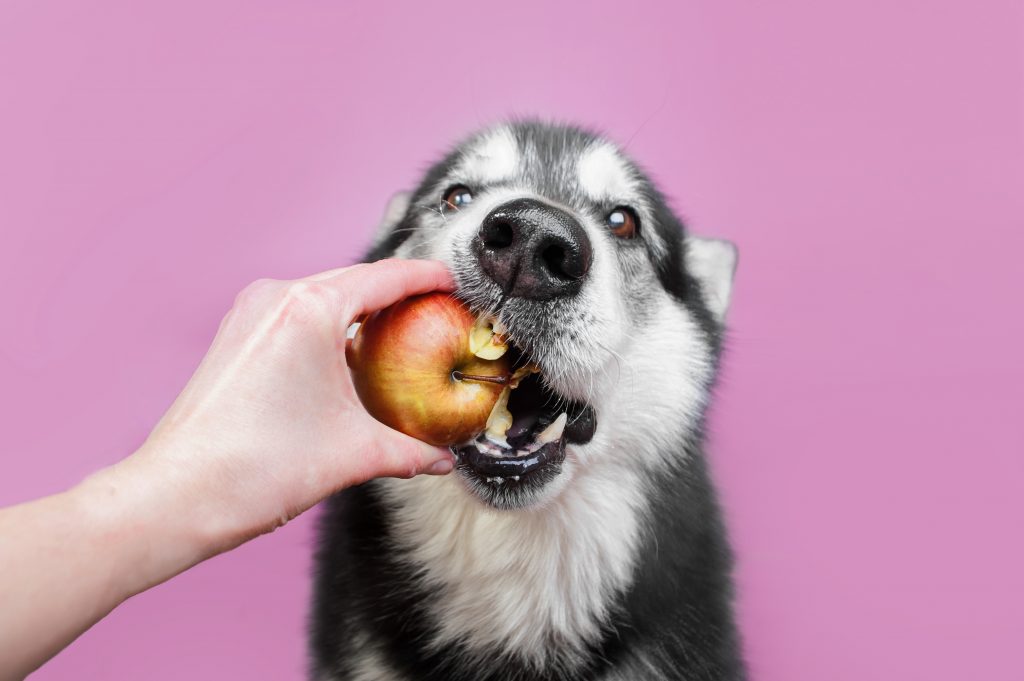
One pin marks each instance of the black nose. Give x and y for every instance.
(533, 250)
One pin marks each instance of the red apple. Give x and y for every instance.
(410, 365)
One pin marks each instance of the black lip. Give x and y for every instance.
(552, 453)
(582, 424)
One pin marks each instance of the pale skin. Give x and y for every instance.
(268, 426)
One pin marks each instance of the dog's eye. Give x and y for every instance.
(623, 222)
(457, 197)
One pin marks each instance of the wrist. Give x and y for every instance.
(151, 521)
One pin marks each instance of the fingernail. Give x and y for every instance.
(442, 467)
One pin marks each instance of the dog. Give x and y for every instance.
(584, 546)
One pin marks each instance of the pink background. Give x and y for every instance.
(867, 157)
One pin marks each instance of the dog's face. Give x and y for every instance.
(562, 237)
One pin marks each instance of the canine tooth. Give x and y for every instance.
(515, 478)
(553, 431)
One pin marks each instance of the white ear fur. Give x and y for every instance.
(713, 262)
(393, 212)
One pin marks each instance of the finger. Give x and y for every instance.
(328, 274)
(389, 453)
(374, 286)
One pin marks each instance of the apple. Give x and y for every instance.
(430, 368)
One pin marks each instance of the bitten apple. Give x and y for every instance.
(414, 369)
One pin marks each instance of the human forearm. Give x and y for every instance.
(69, 559)
(40, 553)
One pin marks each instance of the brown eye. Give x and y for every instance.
(457, 197)
(623, 222)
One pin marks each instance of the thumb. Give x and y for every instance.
(385, 452)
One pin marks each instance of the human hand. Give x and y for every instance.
(270, 423)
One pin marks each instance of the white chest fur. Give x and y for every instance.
(526, 581)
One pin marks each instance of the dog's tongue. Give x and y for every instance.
(523, 426)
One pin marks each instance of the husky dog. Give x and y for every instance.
(591, 546)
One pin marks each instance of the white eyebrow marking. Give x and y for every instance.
(603, 174)
(495, 157)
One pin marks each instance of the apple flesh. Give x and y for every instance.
(414, 368)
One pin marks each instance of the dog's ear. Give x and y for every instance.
(713, 263)
(393, 212)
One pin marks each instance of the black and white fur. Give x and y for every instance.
(618, 567)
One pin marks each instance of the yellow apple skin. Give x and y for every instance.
(402, 359)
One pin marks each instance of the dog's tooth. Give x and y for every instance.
(515, 478)
(499, 441)
(553, 431)
(487, 449)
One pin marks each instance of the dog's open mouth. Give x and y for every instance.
(532, 447)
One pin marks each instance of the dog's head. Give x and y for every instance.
(554, 230)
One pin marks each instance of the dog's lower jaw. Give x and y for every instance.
(534, 583)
